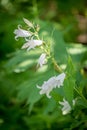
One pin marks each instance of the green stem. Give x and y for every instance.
(49, 54)
(56, 65)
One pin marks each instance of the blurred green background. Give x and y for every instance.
(69, 17)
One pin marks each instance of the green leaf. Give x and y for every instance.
(81, 102)
(51, 105)
(69, 82)
(22, 60)
(68, 88)
(78, 52)
(57, 94)
(28, 90)
(60, 52)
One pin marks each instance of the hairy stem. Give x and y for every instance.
(56, 65)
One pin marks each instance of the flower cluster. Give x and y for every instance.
(53, 82)
(31, 39)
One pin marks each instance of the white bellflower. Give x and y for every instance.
(21, 33)
(66, 106)
(53, 82)
(31, 44)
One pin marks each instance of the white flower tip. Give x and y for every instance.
(48, 96)
(28, 22)
(63, 75)
(25, 46)
(74, 102)
(19, 26)
(38, 86)
(38, 42)
(65, 112)
(15, 31)
(42, 60)
(16, 38)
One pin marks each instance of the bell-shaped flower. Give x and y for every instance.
(66, 106)
(42, 59)
(21, 33)
(47, 87)
(31, 44)
(53, 82)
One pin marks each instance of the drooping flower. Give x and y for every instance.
(47, 87)
(42, 59)
(21, 33)
(53, 82)
(66, 106)
(31, 44)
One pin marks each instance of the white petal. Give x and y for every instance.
(47, 94)
(26, 45)
(38, 42)
(38, 87)
(60, 79)
(61, 76)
